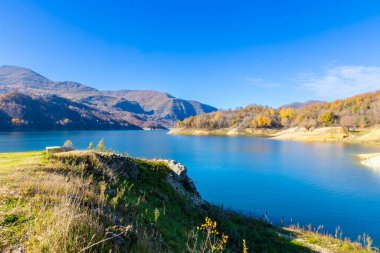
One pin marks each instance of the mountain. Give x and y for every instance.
(145, 109)
(19, 111)
(24, 80)
(163, 104)
(298, 105)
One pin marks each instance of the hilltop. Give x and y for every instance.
(89, 201)
(128, 109)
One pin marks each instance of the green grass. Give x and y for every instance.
(68, 202)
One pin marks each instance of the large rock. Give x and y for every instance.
(57, 149)
(181, 183)
(178, 168)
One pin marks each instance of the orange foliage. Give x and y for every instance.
(16, 121)
(262, 121)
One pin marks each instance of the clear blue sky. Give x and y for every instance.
(224, 53)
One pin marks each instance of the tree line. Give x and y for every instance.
(359, 111)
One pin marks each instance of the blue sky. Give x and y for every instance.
(224, 53)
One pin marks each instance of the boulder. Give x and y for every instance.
(178, 168)
(58, 149)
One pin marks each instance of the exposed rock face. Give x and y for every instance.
(179, 169)
(182, 183)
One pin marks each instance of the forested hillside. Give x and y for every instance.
(143, 108)
(49, 112)
(355, 112)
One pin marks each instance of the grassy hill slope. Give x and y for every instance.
(86, 201)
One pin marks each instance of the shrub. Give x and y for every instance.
(100, 146)
(68, 144)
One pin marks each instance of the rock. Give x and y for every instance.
(181, 183)
(57, 149)
(178, 168)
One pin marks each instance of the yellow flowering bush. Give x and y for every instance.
(245, 248)
(206, 238)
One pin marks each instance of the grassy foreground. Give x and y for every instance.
(85, 201)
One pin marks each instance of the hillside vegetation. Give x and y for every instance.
(87, 201)
(131, 108)
(361, 111)
(23, 112)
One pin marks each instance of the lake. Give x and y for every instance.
(316, 183)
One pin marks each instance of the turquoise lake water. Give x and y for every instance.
(306, 183)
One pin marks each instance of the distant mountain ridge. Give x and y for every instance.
(21, 79)
(298, 105)
(129, 108)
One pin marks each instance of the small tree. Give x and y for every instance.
(91, 146)
(100, 146)
(327, 118)
(16, 121)
(68, 144)
(348, 122)
(262, 121)
(180, 124)
(309, 123)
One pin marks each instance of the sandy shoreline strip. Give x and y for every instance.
(370, 160)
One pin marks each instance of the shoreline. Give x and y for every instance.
(370, 160)
(369, 136)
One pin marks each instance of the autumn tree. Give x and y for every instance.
(361, 110)
(287, 115)
(327, 118)
(309, 123)
(262, 121)
(348, 122)
(180, 124)
(16, 121)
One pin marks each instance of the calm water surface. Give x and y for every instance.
(316, 183)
